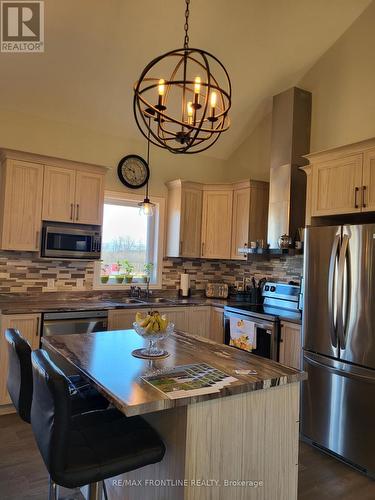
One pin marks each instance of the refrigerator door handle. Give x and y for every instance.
(332, 291)
(342, 274)
(337, 371)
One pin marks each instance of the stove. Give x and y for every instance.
(256, 327)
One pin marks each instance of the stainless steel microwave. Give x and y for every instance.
(70, 241)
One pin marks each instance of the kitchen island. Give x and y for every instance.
(240, 442)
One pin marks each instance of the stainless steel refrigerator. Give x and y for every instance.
(338, 399)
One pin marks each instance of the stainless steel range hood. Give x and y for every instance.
(291, 125)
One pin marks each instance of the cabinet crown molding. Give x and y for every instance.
(178, 183)
(13, 154)
(341, 151)
(216, 186)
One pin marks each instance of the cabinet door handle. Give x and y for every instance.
(37, 327)
(355, 197)
(202, 248)
(71, 211)
(364, 196)
(77, 217)
(180, 249)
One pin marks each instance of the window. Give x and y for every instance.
(131, 249)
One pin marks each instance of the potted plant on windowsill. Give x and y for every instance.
(105, 274)
(128, 271)
(148, 271)
(119, 277)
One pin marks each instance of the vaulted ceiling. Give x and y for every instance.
(95, 50)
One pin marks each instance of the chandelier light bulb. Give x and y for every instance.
(161, 87)
(197, 85)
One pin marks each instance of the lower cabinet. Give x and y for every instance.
(121, 319)
(29, 327)
(177, 316)
(290, 345)
(216, 330)
(204, 320)
(198, 320)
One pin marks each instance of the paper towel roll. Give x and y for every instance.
(184, 284)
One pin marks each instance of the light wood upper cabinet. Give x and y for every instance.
(341, 180)
(184, 219)
(191, 222)
(29, 327)
(217, 224)
(290, 345)
(71, 195)
(89, 197)
(240, 222)
(59, 194)
(21, 205)
(250, 214)
(336, 186)
(368, 188)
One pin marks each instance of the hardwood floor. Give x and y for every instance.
(22, 472)
(323, 477)
(23, 475)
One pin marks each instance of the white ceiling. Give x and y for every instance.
(96, 49)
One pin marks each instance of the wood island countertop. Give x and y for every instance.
(106, 359)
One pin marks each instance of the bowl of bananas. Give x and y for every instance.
(152, 327)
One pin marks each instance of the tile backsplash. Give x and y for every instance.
(229, 271)
(24, 272)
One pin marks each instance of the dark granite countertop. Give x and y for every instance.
(89, 301)
(123, 386)
(39, 304)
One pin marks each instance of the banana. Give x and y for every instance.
(153, 322)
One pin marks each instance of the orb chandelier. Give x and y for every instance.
(182, 99)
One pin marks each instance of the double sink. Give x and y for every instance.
(155, 301)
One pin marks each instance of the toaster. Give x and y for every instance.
(217, 290)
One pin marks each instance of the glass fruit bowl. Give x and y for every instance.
(153, 337)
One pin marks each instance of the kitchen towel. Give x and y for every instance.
(243, 334)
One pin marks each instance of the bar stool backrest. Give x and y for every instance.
(50, 412)
(20, 379)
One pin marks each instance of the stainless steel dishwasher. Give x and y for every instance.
(65, 323)
(73, 322)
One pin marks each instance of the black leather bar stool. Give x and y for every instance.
(87, 448)
(20, 381)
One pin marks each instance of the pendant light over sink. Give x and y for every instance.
(183, 98)
(146, 207)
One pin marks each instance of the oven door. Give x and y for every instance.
(266, 334)
(70, 242)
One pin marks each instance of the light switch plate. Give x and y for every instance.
(51, 283)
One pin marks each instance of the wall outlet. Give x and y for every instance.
(51, 283)
(80, 283)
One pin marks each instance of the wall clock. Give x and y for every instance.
(133, 171)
